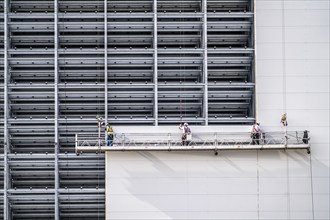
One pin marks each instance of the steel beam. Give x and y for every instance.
(161, 62)
(6, 183)
(155, 46)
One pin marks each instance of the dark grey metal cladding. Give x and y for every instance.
(1, 94)
(141, 62)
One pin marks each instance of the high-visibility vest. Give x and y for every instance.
(109, 129)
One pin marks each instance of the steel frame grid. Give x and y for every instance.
(139, 62)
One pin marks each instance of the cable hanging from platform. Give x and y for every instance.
(182, 70)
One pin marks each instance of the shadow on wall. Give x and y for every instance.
(188, 185)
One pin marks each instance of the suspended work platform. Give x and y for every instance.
(199, 141)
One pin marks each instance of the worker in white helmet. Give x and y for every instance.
(186, 134)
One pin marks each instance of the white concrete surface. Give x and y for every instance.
(294, 78)
(292, 58)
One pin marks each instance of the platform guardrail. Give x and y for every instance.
(199, 141)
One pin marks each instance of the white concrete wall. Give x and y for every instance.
(293, 77)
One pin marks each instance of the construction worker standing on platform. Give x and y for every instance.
(109, 131)
(186, 134)
(255, 133)
(284, 120)
(100, 123)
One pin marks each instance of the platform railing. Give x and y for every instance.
(199, 141)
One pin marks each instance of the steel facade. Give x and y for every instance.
(137, 62)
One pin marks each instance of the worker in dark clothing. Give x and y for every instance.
(305, 137)
(109, 132)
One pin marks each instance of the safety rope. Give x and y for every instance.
(67, 174)
(288, 185)
(285, 124)
(312, 187)
(283, 57)
(284, 70)
(65, 116)
(184, 67)
(284, 109)
(180, 66)
(183, 103)
(258, 186)
(98, 113)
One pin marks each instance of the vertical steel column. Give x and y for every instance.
(106, 60)
(155, 64)
(56, 108)
(6, 149)
(205, 104)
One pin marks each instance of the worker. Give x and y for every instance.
(255, 133)
(305, 137)
(284, 120)
(109, 132)
(183, 137)
(186, 134)
(100, 121)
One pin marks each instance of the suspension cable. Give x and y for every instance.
(180, 66)
(258, 185)
(98, 107)
(312, 187)
(288, 185)
(66, 112)
(285, 111)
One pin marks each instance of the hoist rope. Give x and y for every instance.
(258, 186)
(312, 187)
(183, 103)
(68, 188)
(66, 112)
(98, 109)
(284, 110)
(288, 185)
(180, 71)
